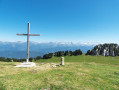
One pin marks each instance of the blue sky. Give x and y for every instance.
(60, 20)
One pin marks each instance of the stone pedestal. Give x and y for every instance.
(26, 64)
(62, 61)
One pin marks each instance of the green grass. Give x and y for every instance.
(83, 58)
(79, 73)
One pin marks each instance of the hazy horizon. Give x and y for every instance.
(61, 42)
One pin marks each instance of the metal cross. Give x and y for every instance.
(28, 34)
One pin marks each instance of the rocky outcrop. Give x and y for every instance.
(105, 50)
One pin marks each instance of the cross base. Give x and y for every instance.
(26, 64)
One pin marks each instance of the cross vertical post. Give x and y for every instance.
(28, 34)
(27, 59)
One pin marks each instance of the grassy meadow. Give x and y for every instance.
(79, 73)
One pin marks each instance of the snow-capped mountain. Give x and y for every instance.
(18, 49)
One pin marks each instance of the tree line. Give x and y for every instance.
(46, 56)
(60, 53)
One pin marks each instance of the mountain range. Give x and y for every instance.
(18, 49)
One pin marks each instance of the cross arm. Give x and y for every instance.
(28, 34)
(22, 34)
(34, 34)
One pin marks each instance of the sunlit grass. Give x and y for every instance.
(79, 73)
(82, 58)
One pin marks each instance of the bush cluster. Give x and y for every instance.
(60, 53)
